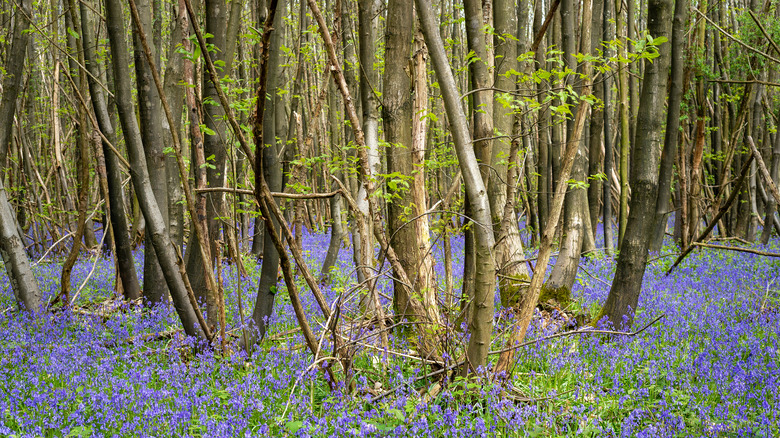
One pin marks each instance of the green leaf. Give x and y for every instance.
(206, 130)
(658, 41)
(397, 414)
(80, 431)
(293, 426)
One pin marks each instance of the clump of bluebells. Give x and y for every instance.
(710, 367)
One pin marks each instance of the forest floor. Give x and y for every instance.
(709, 367)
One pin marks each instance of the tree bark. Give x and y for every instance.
(625, 134)
(397, 117)
(17, 265)
(482, 307)
(513, 273)
(575, 205)
(482, 130)
(595, 158)
(369, 78)
(669, 153)
(271, 168)
(609, 237)
(624, 293)
(150, 121)
(157, 229)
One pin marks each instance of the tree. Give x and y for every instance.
(266, 288)
(170, 262)
(17, 265)
(481, 307)
(624, 293)
(671, 134)
(512, 271)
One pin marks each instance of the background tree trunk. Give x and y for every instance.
(669, 154)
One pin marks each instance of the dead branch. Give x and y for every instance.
(737, 248)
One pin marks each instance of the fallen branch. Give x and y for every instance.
(578, 332)
(737, 248)
(149, 337)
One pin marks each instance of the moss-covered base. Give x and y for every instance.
(512, 288)
(556, 296)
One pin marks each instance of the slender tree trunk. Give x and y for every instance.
(482, 307)
(336, 226)
(696, 180)
(272, 172)
(82, 154)
(150, 121)
(575, 204)
(771, 204)
(595, 158)
(609, 235)
(625, 134)
(174, 92)
(369, 79)
(542, 128)
(122, 245)
(513, 273)
(215, 156)
(482, 132)
(397, 116)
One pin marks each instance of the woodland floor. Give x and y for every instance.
(709, 367)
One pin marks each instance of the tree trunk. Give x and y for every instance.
(625, 135)
(369, 79)
(482, 307)
(272, 172)
(170, 262)
(575, 204)
(336, 225)
(116, 205)
(82, 154)
(174, 92)
(215, 155)
(624, 293)
(609, 238)
(17, 265)
(771, 204)
(669, 153)
(397, 116)
(513, 273)
(150, 121)
(595, 159)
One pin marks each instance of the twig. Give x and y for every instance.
(579, 332)
(593, 276)
(735, 39)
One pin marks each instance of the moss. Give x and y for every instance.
(512, 288)
(559, 295)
